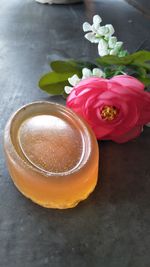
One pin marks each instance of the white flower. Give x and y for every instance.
(91, 37)
(74, 80)
(107, 44)
(112, 42)
(96, 24)
(96, 31)
(110, 30)
(96, 21)
(87, 27)
(98, 72)
(68, 89)
(116, 49)
(102, 31)
(103, 48)
(86, 73)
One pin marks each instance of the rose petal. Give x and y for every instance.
(133, 133)
(98, 83)
(136, 95)
(101, 132)
(128, 81)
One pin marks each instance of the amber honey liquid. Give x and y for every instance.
(57, 168)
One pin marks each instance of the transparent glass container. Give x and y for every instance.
(52, 155)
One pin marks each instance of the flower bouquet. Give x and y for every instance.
(111, 93)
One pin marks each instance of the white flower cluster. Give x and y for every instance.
(86, 73)
(107, 44)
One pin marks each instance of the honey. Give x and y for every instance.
(52, 155)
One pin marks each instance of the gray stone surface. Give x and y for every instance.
(110, 228)
(141, 5)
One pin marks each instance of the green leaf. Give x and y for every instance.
(86, 64)
(113, 70)
(146, 81)
(138, 59)
(54, 83)
(123, 53)
(141, 72)
(73, 66)
(65, 66)
(141, 59)
(114, 60)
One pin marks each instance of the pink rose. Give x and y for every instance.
(116, 109)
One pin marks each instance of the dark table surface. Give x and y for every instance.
(110, 228)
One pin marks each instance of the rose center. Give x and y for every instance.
(109, 113)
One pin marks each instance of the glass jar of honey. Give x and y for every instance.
(51, 154)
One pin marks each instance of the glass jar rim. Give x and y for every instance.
(68, 112)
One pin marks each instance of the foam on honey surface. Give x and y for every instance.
(51, 143)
